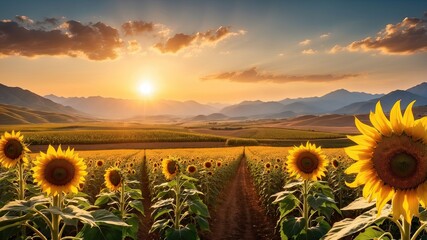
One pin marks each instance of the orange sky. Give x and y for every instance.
(212, 52)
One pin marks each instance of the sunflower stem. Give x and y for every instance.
(122, 200)
(21, 192)
(306, 208)
(178, 203)
(406, 234)
(419, 230)
(55, 217)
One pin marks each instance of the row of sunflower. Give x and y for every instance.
(48, 202)
(390, 173)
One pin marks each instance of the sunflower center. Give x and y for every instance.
(115, 178)
(171, 167)
(307, 163)
(13, 149)
(399, 162)
(403, 165)
(59, 172)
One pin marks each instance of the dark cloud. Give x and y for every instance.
(181, 40)
(136, 27)
(95, 41)
(253, 75)
(406, 37)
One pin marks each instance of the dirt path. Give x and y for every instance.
(239, 214)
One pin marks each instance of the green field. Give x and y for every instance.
(114, 132)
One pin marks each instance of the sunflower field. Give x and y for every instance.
(375, 189)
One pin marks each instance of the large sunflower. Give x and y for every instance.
(392, 160)
(12, 149)
(113, 178)
(307, 162)
(170, 168)
(58, 171)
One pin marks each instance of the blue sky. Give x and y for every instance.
(270, 50)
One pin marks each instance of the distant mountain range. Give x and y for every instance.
(113, 108)
(23, 106)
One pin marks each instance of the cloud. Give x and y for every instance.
(137, 27)
(133, 46)
(305, 42)
(24, 19)
(309, 51)
(96, 41)
(253, 75)
(325, 35)
(180, 40)
(406, 37)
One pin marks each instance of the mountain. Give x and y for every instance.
(289, 107)
(113, 108)
(253, 108)
(331, 101)
(10, 114)
(420, 89)
(387, 102)
(23, 98)
(210, 117)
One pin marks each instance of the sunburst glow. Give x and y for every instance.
(146, 88)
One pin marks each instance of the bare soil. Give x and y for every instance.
(239, 213)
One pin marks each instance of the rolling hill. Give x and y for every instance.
(20, 115)
(24, 98)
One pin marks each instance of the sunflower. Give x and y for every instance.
(218, 164)
(12, 149)
(99, 163)
(267, 165)
(191, 169)
(392, 160)
(170, 168)
(113, 178)
(307, 162)
(207, 164)
(335, 164)
(58, 171)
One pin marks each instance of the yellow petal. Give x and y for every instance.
(362, 140)
(367, 130)
(411, 205)
(397, 203)
(358, 167)
(385, 195)
(359, 152)
(408, 116)
(380, 121)
(422, 194)
(396, 118)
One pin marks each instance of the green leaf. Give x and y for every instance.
(202, 223)
(350, 226)
(72, 213)
(100, 233)
(137, 205)
(160, 212)
(292, 226)
(25, 206)
(161, 224)
(359, 203)
(104, 217)
(318, 231)
(163, 203)
(371, 233)
(198, 207)
(8, 221)
(135, 193)
(287, 205)
(104, 198)
(132, 231)
(292, 185)
(317, 200)
(186, 233)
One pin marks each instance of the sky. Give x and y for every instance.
(212, 51)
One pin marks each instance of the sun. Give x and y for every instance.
(146, 88)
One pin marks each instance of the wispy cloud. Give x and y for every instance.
(406, 37)
(137, 27)
(254, 75)
(180, 40)
(309, 51)
(325, 35)
(305, 42)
